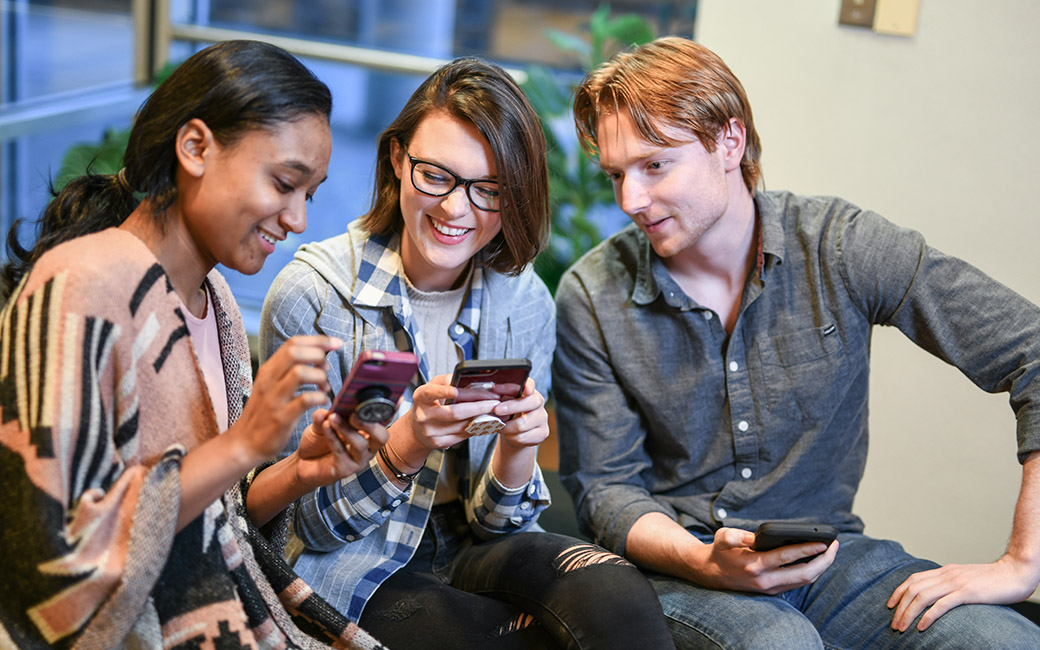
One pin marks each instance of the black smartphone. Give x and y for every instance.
(375, 384)
(774, 534)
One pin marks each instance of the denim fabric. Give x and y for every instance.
(360, 530)
(844, 609)
(465, 593)
(659, 411)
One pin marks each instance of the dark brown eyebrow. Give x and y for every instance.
(303, 168)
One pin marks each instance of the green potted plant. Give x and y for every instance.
(577, 187)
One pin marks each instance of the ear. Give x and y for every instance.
(396, 157)
(731, 143)
(194, 146)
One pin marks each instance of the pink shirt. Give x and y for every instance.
(206, 342)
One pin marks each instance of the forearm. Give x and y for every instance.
(405, 453)
(209, 470)
(273, 489)
(1024, 545)
(513, 466)
(658, 543)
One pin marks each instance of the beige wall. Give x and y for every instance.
(938, 132)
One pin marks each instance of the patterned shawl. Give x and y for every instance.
(100, 398)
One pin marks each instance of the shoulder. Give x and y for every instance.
(804, 213)
(99, 269)
(830, 223)
(612, 266)
(105, 254)
(524, 290)
(318, 265)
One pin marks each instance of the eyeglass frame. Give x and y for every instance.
(465, 182)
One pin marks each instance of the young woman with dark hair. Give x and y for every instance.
(436, 543)
(128, 414)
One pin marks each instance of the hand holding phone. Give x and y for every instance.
(505, 378)
(774, 534)
(375, 384)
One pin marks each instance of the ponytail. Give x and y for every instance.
(87, 204)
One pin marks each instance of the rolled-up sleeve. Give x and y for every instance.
(949, 308)
(346, 510)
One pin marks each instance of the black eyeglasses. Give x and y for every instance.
(434, 180)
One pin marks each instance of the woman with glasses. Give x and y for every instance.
(134, 443)
(436, 542)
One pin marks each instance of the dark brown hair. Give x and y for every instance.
(670, 81)
(484, 95)
(233, 86)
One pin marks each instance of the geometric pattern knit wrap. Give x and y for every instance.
(100, 398)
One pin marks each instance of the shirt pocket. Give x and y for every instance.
(802, 371)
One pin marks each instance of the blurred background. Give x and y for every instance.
(936, 130)
(72, 73)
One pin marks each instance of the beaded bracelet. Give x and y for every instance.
(398, 474)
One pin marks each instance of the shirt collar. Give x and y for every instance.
(771, 239)
(650, 271)
(381, 284)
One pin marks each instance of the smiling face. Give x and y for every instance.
(237, 201)
(675, 194)
(443, 233)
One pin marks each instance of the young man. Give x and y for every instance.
(712, 369)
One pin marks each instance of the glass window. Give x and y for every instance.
(66, 68)
(63, 53)
(65, 45)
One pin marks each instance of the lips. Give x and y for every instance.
(652, 226)
(447, 233)
(267, 240)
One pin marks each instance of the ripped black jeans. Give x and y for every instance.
(526, 590)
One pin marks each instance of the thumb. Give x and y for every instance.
(734, 538)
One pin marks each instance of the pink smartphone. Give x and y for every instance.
(375, 384)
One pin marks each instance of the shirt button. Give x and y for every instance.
(532, 489)
(397, 502)
(721, 513)
(385, 512)
(707, 315)
(733, 366)
(350, 538)
(746, 472)
(526, 505)
(743, 425)
(459, 329)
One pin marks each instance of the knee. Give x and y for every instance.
(788, 632)
(982, 626)
(589, 569)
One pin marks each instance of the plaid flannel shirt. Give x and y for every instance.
(358, 531)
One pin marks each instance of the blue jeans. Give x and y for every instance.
(844, 608)
(524, 591)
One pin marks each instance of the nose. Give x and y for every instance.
(631, 195)
(456, 202)
(294, 217)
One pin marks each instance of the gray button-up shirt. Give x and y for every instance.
(659, 411)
